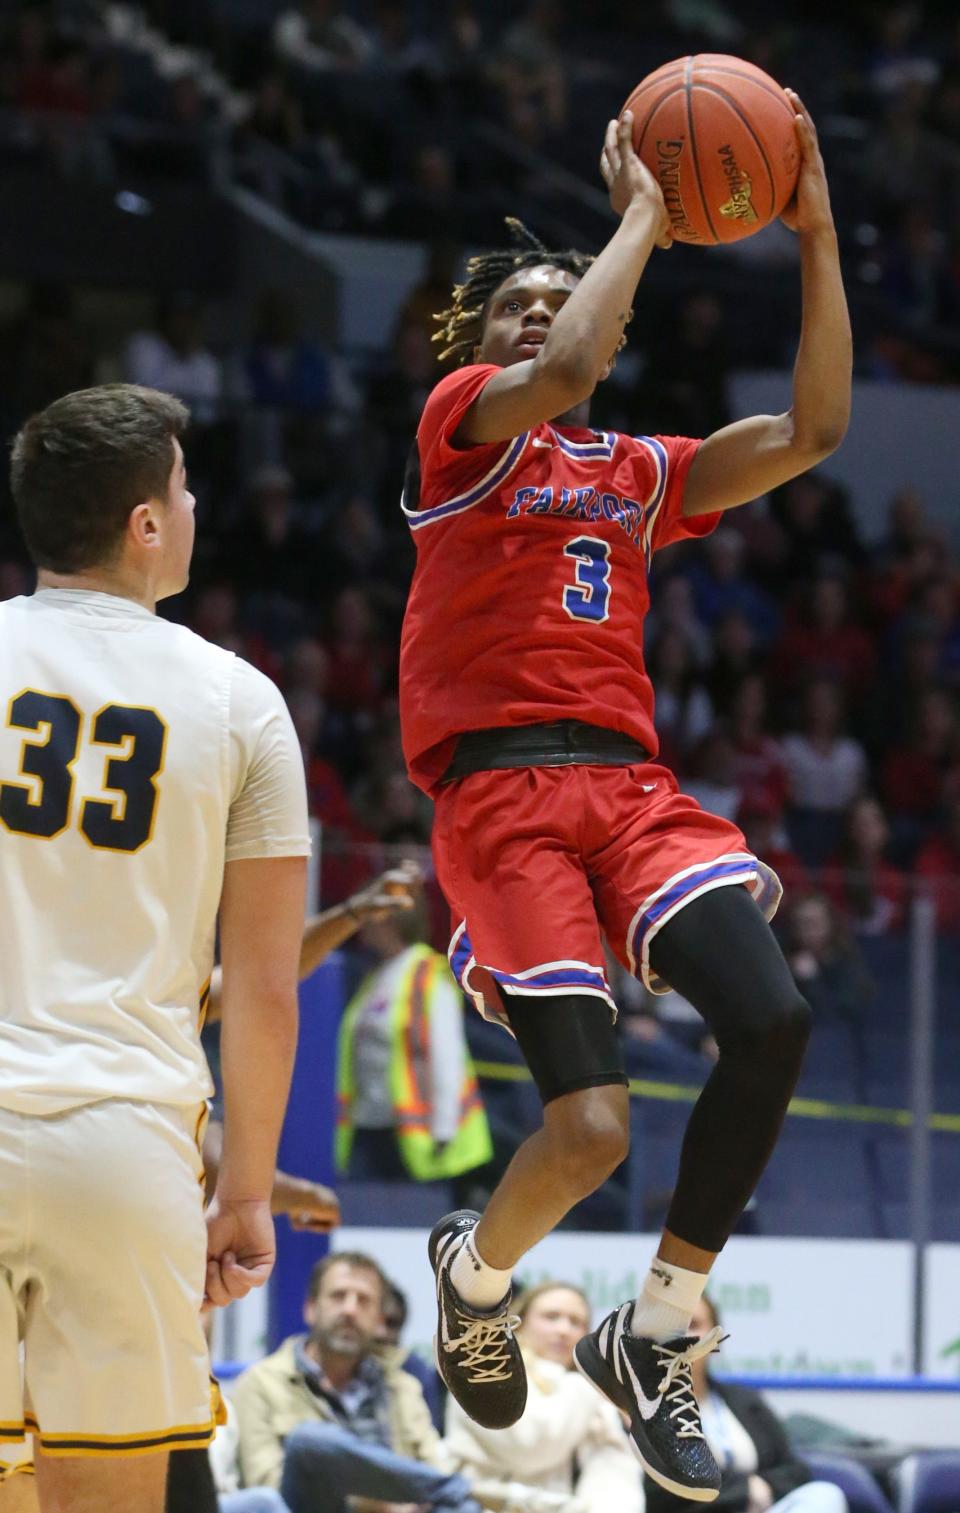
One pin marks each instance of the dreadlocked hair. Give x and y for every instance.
(461, 324)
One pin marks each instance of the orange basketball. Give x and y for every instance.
(719, 135)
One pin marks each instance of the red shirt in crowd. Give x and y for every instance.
(939, 862)
(874, 901)
(845, 655)
(344, 867)
(760, 772)
(912, 782)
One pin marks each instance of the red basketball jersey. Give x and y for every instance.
(530, 589)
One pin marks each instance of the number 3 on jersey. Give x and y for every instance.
(123, 822)
(589, 597)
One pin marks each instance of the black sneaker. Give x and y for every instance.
(650, 1382)
(477, 1353)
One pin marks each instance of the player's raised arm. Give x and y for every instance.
(748, 458)
(555, 345)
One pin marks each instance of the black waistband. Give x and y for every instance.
(561, 743)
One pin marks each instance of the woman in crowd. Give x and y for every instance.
(865, 886)
(826, 963)
(568, 1453)
(684, 710)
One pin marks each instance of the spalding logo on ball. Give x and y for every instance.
(719, 135)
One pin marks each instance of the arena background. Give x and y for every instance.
(262, 208)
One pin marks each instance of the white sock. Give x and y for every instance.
(479, 1285)
(665, 1306)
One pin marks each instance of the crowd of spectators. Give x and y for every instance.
(397, 118)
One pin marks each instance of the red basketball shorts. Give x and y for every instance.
(536, 862)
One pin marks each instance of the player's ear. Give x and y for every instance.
(143, 523)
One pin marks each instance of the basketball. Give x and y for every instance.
(719, 135)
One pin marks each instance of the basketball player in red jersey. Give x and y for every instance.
(528, 715)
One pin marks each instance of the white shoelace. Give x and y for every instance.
(676, 1384)
(484, 1345)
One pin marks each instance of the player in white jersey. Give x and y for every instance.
(147, 780)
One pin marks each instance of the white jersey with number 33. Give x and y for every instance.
(135, 759)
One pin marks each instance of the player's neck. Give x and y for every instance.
(578, 416)
(115, 581)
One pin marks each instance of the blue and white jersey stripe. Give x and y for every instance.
(724, 870)
(548, 979)
(460, 954)
(554, 977)
(602, 445)
(501, 469)
(655, 911)
(652, 505)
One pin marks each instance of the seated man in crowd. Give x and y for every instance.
(331, 1414)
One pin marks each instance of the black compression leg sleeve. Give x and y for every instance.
(720, 954)
(569, 1042)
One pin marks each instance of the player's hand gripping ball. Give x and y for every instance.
(720, 137)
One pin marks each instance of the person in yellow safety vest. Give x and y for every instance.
(408, 1104)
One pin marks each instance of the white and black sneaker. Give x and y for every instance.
(650, 1382)
(477, 1353)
